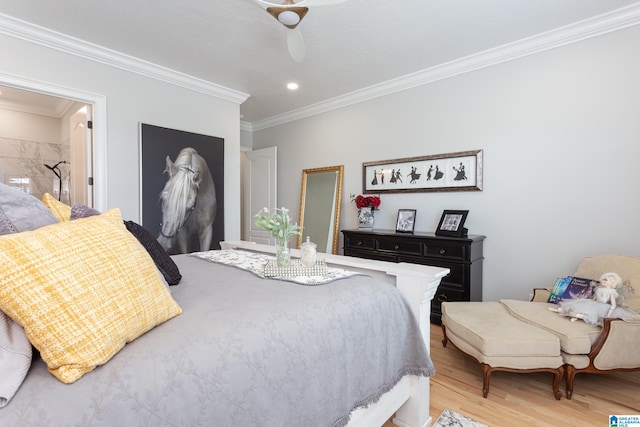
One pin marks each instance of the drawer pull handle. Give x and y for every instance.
(396, 247)
(442, 251)
(359, 242)
(442, 297)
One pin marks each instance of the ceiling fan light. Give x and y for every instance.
(288, 17)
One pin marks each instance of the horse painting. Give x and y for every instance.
(188, 202)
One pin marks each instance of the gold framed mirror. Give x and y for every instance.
(320, 198)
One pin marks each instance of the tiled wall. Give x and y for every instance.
(22, 164)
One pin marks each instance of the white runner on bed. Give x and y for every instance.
(255, 262)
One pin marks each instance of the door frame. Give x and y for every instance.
(99, 108)
(81, 148)
(268, 186)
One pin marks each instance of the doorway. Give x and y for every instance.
(32, 95)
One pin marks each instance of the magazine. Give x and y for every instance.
(558, 289)
(579, 288)
(571, 287)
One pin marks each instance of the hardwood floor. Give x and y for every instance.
(526, 399)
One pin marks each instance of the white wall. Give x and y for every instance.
(132, 98)
(34, 127)
(561, 137)
(246, 139)
(28, 142)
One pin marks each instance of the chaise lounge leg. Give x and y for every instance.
(557, 377)
(486, 372)
(571, 375)
(445, 340)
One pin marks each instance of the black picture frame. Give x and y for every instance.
(406, 221)
(452, 223)
(157, 143)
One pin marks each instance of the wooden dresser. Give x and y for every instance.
(463, 256)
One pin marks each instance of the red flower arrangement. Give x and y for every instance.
(361, 201)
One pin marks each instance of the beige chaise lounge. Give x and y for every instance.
(525, 336)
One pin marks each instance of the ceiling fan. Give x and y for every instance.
(290, 14)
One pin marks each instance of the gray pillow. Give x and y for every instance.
(18, 212)
(15, 358)
(82, 211)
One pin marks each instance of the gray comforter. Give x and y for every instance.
(245, 352)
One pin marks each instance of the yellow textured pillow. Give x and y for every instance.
(81, 289)
(57, 208)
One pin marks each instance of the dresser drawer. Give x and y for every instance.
(360, 242)
(444, 294)
(448, 294)
(445, 250)
(400, 247)
(380, 256)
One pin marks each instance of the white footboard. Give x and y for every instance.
(409, 400)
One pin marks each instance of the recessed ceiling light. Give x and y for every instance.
(292, 86)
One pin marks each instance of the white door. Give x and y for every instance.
(259, 191)
(81, 157)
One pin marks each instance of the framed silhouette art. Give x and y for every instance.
(460, 171)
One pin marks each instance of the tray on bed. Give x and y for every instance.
(295, 268)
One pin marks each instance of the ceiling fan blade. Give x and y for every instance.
(295, 42)
(265, 4)
(314, 3)
(306, 3)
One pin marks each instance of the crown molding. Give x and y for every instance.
(246, 126)
(602, 24)
(56, 111)
(26, 31)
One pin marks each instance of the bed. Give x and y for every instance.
(241, 350)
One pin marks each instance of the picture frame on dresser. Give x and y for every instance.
(406, 221)
(452, 223)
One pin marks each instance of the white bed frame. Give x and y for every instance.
(409, 399)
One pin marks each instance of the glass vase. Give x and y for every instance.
(308, 253)
(283, 255)
(365, 218)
